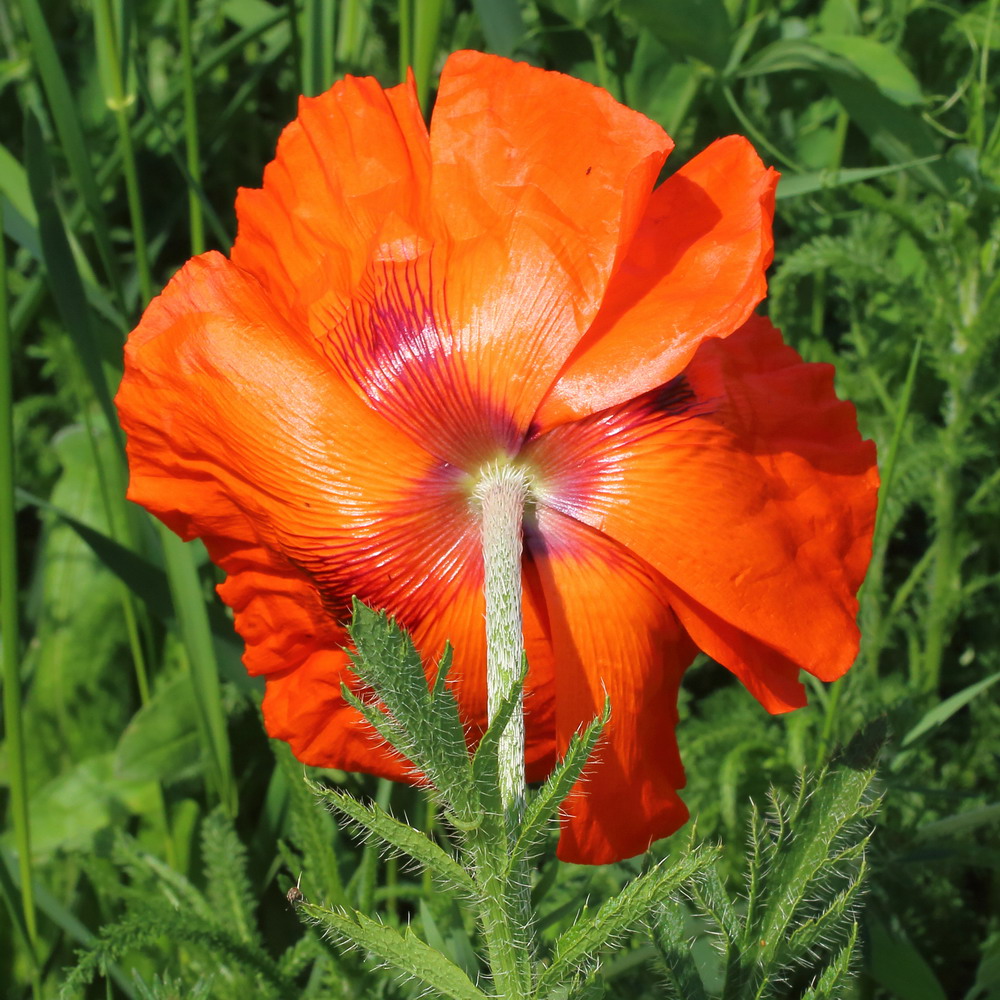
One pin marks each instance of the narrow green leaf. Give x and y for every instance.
(404, 952)
(64, 280)
(71, 139)
(142, 578)
(797, 185)
(192, 618)
(14, 184)
(427, 16)
(887, 466)
(947, 708)
(960, 823)
(398, 836)
(897, 131)
(876, 61)
(897, 965)
(578, 948)
(10, 637)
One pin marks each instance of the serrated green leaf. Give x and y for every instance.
(713, 901)
(578, 948)
(227, 888)
(404, 952)
(828, 924)
(544, 805)
(313, 830)
(425, 726)
(397, 836)
(681, 971)
(835, 980)
(840, 800)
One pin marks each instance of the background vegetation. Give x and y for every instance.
(132, 737)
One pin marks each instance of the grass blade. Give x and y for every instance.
(426, 38)
(197, 221)
(67, 124)
(196, 634)
(9, 631)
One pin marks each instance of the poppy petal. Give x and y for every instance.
(617, 637)
(350, 175)
(239, 434)
(541, 181)
(746, 484)
(694, 270)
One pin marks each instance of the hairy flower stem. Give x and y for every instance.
(505, 906)
(502, 493)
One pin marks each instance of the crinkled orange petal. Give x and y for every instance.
(615, 636)
(746, 484)
(694, 270)
(349, 179)
(449, 278)
(540, 180)
(240, 434)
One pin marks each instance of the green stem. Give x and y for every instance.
(119, 103)
(191, 129)
(601, 62)
(405, 38)
(505, 906)
(9, 638)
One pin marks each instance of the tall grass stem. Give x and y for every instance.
(119, 104)
(193, 157)
(9, 631)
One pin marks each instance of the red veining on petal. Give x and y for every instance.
(395, 341)
(580, 465)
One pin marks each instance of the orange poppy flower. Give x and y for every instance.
(401, 308)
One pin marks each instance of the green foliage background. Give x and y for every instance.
(155, 802)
